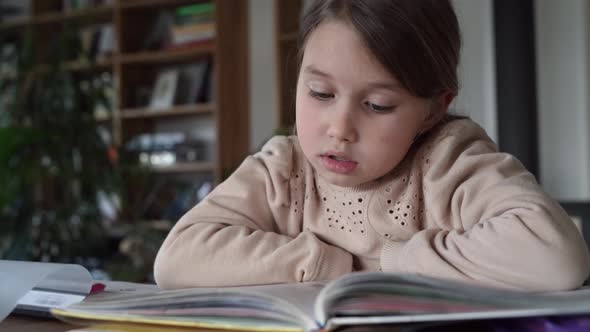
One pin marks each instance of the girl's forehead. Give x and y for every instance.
(337, 49)
(333, 35)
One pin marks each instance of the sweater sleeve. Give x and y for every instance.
(238, 235)
(494, 224)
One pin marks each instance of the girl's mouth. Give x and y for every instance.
(338, 164)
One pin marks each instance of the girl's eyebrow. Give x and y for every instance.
(310, 69)
(388, 85)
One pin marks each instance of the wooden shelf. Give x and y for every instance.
(103, 64)
(142, 4)
(14, 24)
(103, 13)
(168, 56)
(180, 110)
(72, 66)
(94, 13)
(195, 167)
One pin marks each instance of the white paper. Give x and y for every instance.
(48, 299)
(18, 278)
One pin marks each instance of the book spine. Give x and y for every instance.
(196, 9)
(194, 19)
(206, 35)
(192, 29)
(190, 33)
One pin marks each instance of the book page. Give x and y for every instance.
(281, 307)
(59, 281)
(379, 298)
(302, 296)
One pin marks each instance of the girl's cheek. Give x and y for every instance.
(305, 108)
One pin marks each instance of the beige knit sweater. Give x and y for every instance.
(454, 208)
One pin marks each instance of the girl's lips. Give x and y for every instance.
(337, 165)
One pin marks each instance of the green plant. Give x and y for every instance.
(53, 161)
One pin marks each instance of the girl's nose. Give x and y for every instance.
(342, 127)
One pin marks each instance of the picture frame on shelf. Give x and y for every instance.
(164, 91)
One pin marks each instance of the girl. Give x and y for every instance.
(379, 177)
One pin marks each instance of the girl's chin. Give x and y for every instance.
(341, 180)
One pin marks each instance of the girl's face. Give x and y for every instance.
(355, 122)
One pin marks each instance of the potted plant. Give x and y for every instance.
(53, 161)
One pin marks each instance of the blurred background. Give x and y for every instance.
(117, 116)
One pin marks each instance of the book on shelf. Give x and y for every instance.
(193, 23)
(33, 288)
(89, 37)
(182, 26)
(192, 33)
(356, 299)
(107, 43)
(197, 13)
(181, 85)
(97, 41)
(192, 83)
(158, 36)
(12, 10)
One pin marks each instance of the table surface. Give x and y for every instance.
(17, 323)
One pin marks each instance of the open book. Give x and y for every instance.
(360, 298)
(34, 288)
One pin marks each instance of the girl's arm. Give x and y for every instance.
(494, 224)
(239, 234)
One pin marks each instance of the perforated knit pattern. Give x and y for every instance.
(343, 211)
(297, 189)
(393, 207)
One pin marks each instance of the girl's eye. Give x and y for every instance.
(378, 108)
(320, 95)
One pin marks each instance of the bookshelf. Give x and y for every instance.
(286, 32)
(133, 66)
(216, 118)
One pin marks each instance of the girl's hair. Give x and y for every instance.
(418, 41)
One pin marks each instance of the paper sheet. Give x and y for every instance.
(18, 278)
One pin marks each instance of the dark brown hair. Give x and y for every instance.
(418, 41)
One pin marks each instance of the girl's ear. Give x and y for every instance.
(438, 110)
(445, 100)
